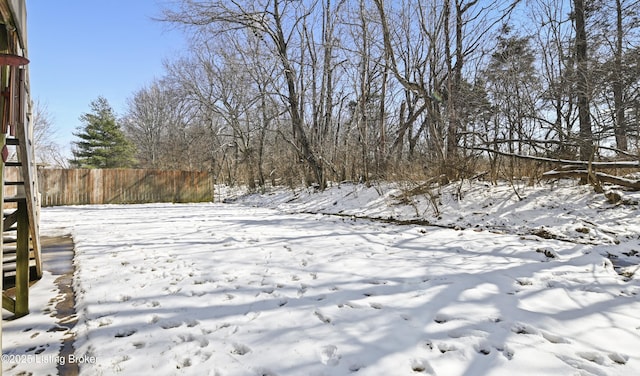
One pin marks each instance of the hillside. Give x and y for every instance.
(561, 210)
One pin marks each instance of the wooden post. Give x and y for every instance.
(22, 261)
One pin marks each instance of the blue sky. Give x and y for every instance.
(81, 49)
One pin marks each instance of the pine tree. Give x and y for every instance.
(102, 143)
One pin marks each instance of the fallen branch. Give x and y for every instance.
(628, 183)
(423, 188)
(581, 164)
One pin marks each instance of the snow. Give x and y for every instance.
(272, 285)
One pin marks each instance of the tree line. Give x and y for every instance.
(283, 91)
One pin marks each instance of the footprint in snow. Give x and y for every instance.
(184, 363)
(204, 356)
(38, 350)
(445, 347)
(520, 328)
(619, 358)
(170, 324)
(441, 318)
(125, 333)
(240, 349)
(427, 345)
(421, 366)
(482, 348)
(329, 355)
(251, 315)
(467, 332)
(172, 290)
(583, 364)
(268, 290)
(524, 281)
(202, 281)
(592, 356)
(554, 338)
(182, 338)
(264, 372)
(355, 367)
(138, 303)
(322, 317)
(506, 351)
(192, 323)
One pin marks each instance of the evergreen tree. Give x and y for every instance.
(102, 143)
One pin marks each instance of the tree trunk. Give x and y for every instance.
(619, 121)
(584, 112)
(294, 104)
(446, 167)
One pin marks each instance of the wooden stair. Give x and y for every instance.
(21, 259)
(20, 210)
(10, 251)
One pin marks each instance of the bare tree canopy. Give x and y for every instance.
(48, 152)
(330, 90)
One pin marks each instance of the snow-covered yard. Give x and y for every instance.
(258, 288)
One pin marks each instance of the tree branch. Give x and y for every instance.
(580, 164)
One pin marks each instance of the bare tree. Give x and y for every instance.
(150, 116)
(620, 123)
(276, 23)
(616, 76)
(557, 72)
(453, 32)
(337, 89)
(48, 152)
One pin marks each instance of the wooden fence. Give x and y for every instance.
(122, 186)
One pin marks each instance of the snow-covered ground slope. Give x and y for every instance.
(562, 210)
(259, 288)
